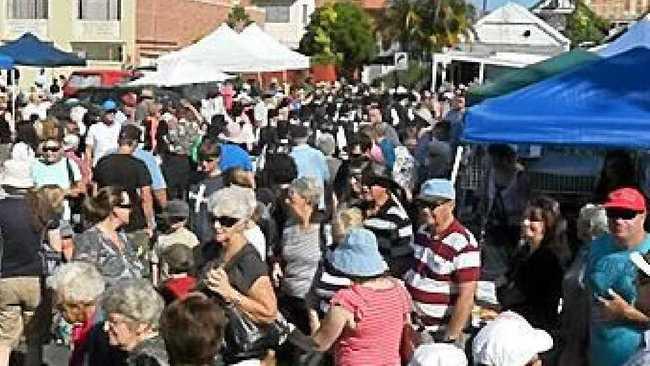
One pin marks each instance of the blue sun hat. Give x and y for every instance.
(358, 255)
(109, 105)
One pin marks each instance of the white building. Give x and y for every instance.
(286, 19)
(508, 37)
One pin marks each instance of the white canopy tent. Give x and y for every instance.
(226, 50)
(181, 72)
(256, 38)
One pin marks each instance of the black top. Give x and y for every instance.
(130, 174)
(21, 243)
(200, 221)
(537, 284)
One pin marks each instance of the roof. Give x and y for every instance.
(514, 24)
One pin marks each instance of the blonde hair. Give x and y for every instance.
(345, 220)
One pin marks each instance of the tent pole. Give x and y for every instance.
(13, 98)
(454, 171)
(259, 80)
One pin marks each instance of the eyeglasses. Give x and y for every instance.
(51, 148)
(615, 214)
(225, 221)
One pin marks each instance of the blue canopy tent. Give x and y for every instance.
(28, 50)
(603, 104)
(6, 62)
(637, 35)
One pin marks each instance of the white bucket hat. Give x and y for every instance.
(509, 340)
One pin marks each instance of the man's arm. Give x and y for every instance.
(617, 309)
(147, 205)
(462, 310)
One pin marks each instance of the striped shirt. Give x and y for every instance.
(327, 282)
(301, 253)
(380, 317)
(392, 227)
(442, 263)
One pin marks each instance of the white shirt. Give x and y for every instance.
(103, 139)
(256, 238)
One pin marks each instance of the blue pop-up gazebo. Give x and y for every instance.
(603, 104)
(28, 50)
(637, 35)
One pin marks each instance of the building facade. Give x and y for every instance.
(619, 10)
(102, 31)
(286, 20)
(167, 25)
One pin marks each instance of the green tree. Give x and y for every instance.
(238, 19)
(422, 27)
(340, 33)
(585, 26)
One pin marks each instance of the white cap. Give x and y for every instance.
(438, 354)
(509, 340)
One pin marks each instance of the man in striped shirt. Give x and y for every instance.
(442, 279)
(390, 223)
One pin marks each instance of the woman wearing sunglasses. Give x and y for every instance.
(105, 244)
(238, 275)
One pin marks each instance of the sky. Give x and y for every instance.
(492, 4)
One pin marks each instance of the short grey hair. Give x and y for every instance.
(234, 201)
(308, 188)
(326, 144)
(592, 222)
(136, 300)
(77, 282)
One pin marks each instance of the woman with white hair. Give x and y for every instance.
(592, 223)
(238, 275)
(133, 309)
(77, 287)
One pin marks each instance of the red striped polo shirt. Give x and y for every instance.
(442, 263)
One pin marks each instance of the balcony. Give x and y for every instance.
(96, 30)
(14, 28)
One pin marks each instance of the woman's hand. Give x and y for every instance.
(217, 281)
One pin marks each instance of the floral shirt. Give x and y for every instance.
(114, 264)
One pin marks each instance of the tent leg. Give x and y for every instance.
(456, 167)
(13, 99)
(259, 80)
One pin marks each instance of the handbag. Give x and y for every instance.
(246, 339)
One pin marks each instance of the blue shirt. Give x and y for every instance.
(157, 178)
(388, 152)
(609, 266)
(234, 156)
(311, 162)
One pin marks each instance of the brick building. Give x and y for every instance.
(619, 10)
(167, 25)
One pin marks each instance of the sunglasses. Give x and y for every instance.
(225, 221)
(431, 205)
(621, 214)
(208, 159)
(122, 205)
(51, 148)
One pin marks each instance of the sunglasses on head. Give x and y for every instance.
(225, 221)
(621, 214)
(51, 148)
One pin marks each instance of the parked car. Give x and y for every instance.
(83, 79)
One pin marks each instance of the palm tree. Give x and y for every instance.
(403, 23)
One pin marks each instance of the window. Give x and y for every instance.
(277, 14)
(99, 51)
(305, 14)
(100, 9)
(27, 9)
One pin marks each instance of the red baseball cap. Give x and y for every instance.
(626, 198)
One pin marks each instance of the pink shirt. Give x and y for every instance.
(379, 316)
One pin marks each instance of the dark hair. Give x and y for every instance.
(193, 330)
(547, 209)
(365, 142)
(179, 258)
(209, 148)
(280, 168)
(100, 206)
(25, 132)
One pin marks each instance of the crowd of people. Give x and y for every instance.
(313, 225)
